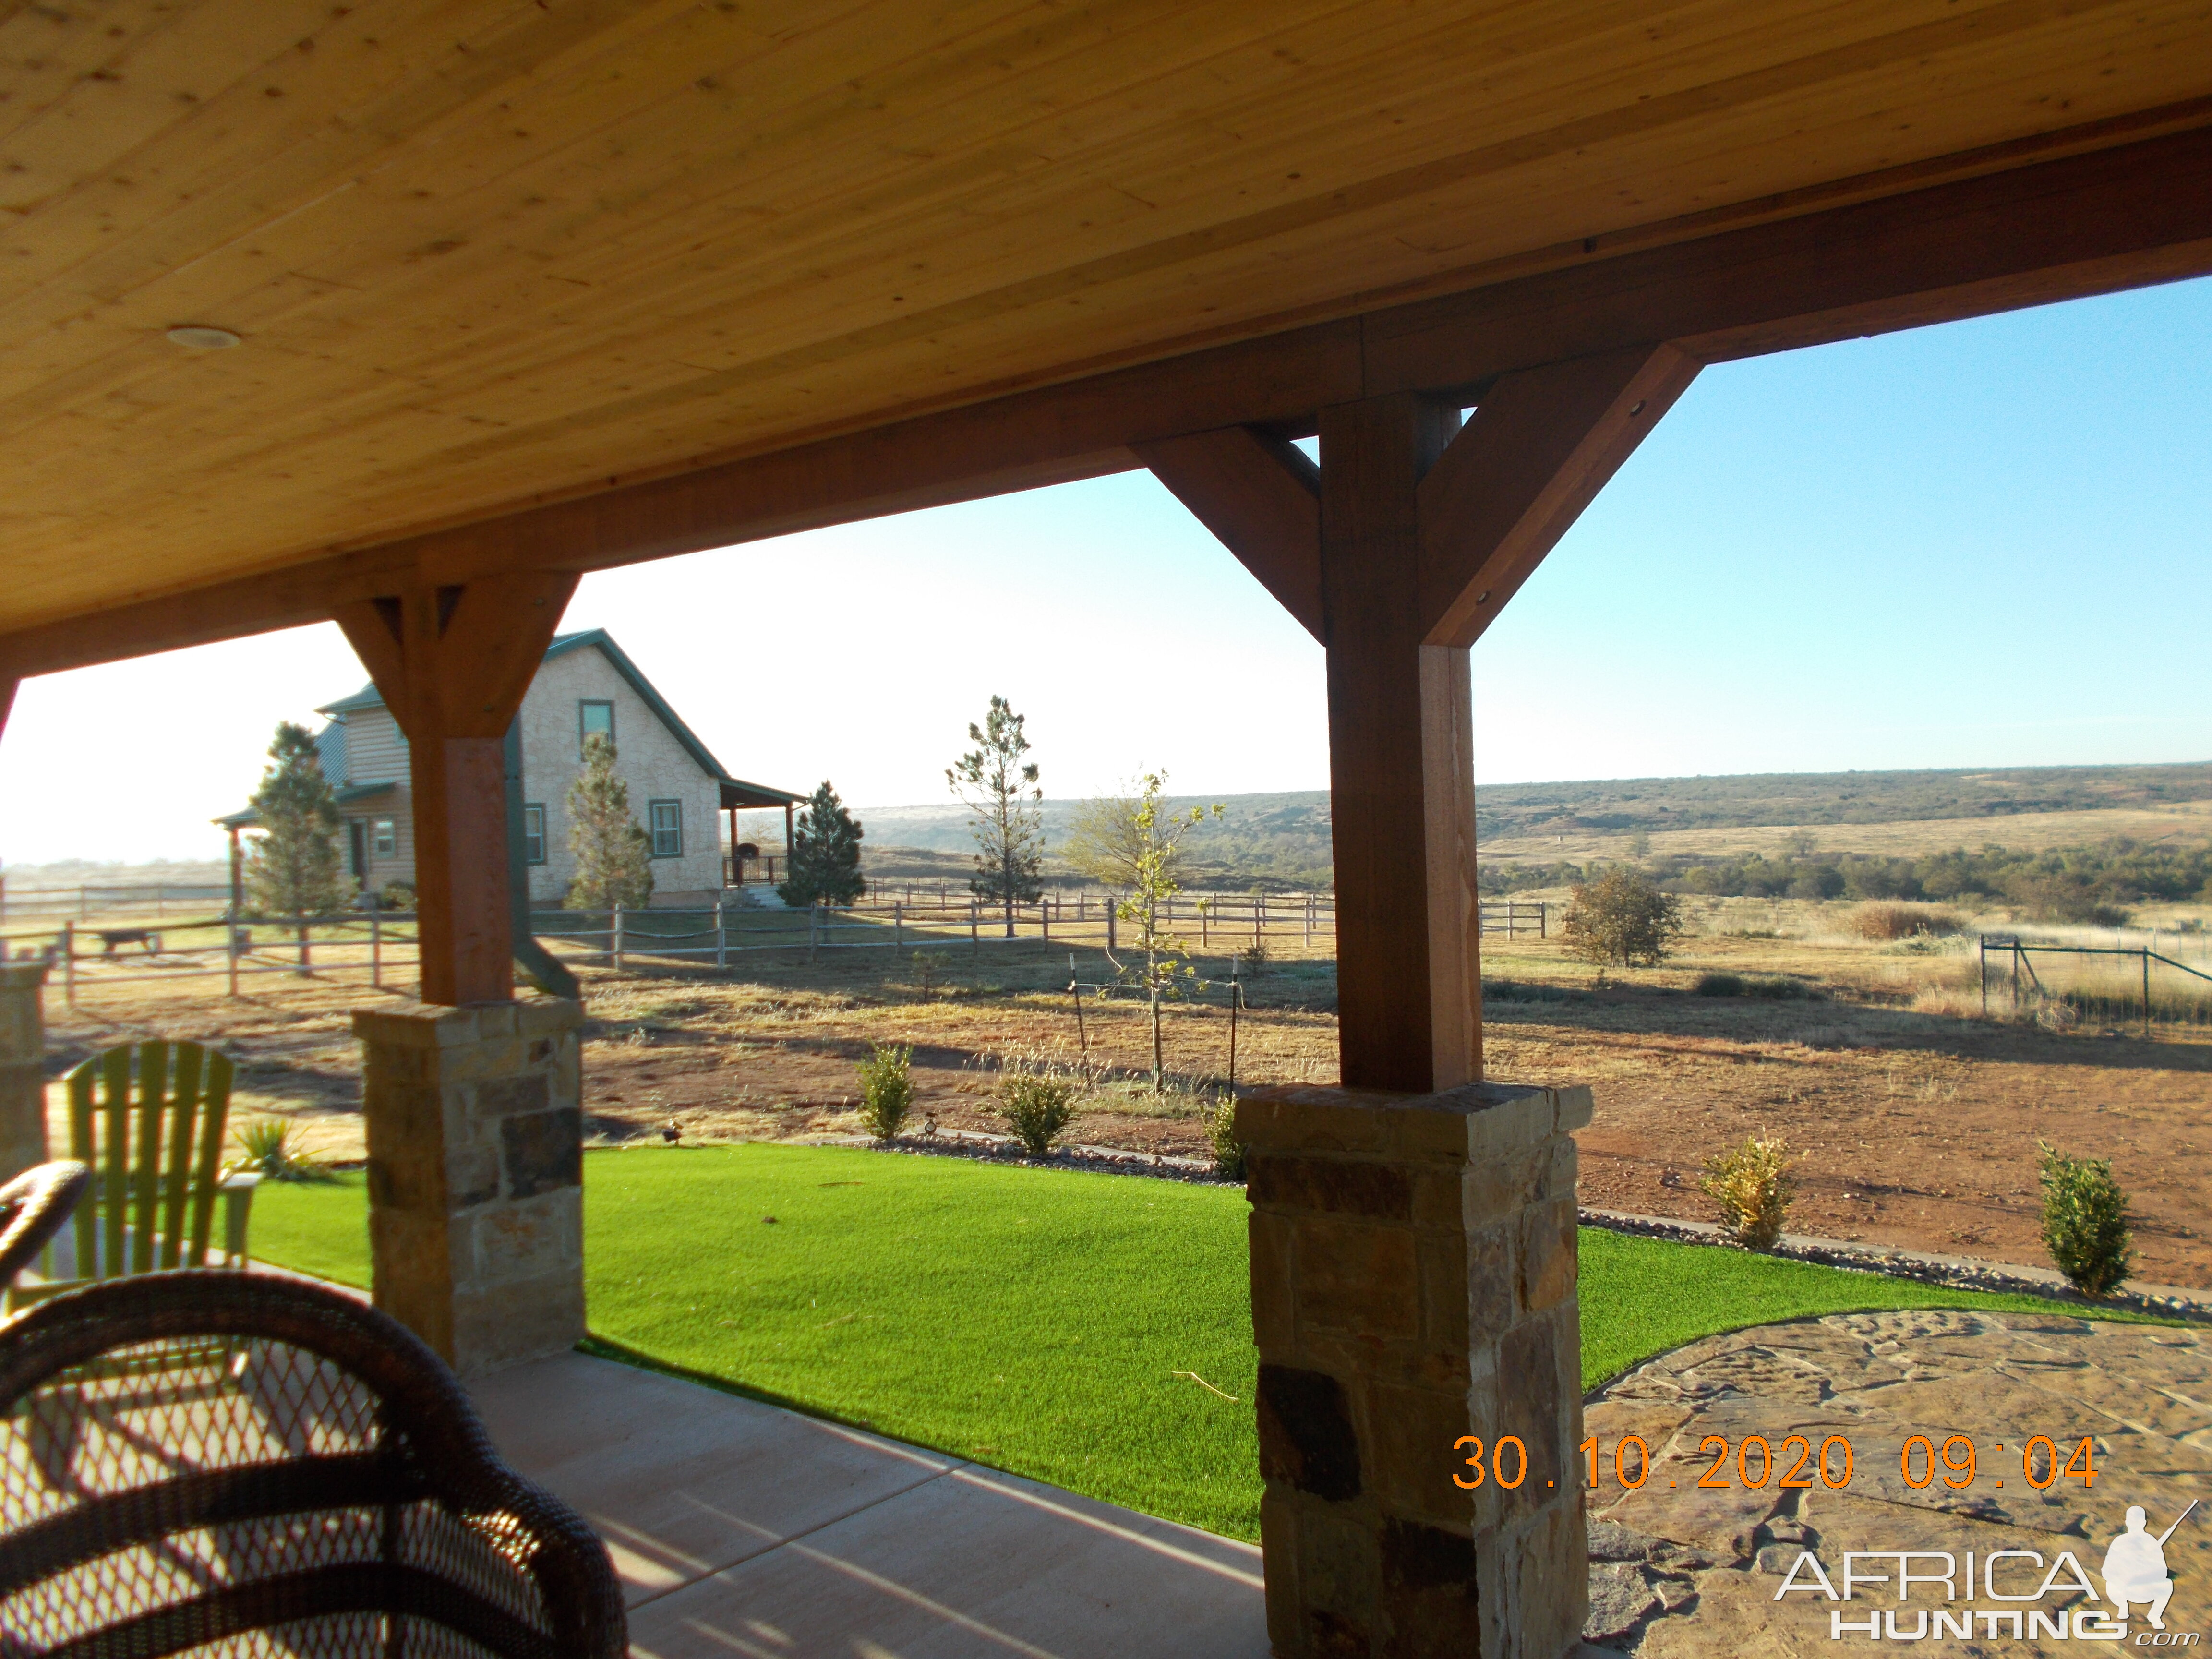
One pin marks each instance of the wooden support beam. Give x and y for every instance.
(1401, 762)
(8, 684)
(1539, 447)
(1261, 497)
(453, 664)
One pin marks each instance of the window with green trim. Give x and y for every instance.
(665, 820)
(384, 835)
(533, 834)
(594, 719)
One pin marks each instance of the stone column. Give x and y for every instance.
(22, 1068)
(475, 1175)
(1413, 1281)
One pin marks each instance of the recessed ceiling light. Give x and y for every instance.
(200, 337)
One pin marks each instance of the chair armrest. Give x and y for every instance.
(237, 1189)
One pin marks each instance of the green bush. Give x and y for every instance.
(1622, 919)
(886, 1090)
(397, 896)
(1753, 1186)
(1037, 1105)
(1776, 988)
(2085, 1220)
(1718, 985)
(1220, 1121)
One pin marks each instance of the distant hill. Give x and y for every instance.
(1282, 841)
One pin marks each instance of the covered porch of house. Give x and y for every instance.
(740, 866)
(1478, 327)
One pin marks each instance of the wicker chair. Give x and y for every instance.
(33, 1207)
(196, 1459)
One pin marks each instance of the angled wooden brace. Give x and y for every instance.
(1261, 497)
(1535, 453)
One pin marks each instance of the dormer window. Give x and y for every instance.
(594, 719)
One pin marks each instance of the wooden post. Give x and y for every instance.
(1396, 553)
(2145, 968)
(230, 952)
(975, 925)
(237, 876)
(452, 663)
(615, 930)
(69, 962)
(376, 947)
(1113, 910)
(898, 926)
(721, 934)
(1044, 918)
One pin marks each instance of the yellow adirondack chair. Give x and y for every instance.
(148, 1120)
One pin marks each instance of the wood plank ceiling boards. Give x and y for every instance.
(579, 283)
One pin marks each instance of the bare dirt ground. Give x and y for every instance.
(1916, 1122)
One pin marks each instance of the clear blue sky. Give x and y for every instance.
(1987, 543)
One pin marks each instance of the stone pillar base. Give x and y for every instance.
(1413, 1282)
(22, 1068)
(476, 1175)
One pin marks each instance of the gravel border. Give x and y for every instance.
(1951, 1271)
(984, 1148)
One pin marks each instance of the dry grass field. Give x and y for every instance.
(1916, 1120)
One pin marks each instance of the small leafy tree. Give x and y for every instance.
(886, 1090)
(1037, 1103)
(613, 856)
(825, 854)
(293, 868)
(1152, 833)
(1622, 918)
(2085, 1220)
(1000, 790)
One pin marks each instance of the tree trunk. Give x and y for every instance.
(1159, 1067)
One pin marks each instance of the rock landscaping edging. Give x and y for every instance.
(1951, 1271)
(985, 1148)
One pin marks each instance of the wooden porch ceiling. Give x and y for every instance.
(489, 257)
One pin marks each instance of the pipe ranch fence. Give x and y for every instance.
(1240, 924)
(2111, 980)
(146, 899)
(374, 942)
(375, 945)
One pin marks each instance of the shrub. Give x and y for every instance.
(397, 896)
(2085, 1222)
(886, 1090)
(1718, 985)
(1037, 1105)
(1774, 987)
(1622, 918)
(1753, 1186)
(1896, 922)
(928, 966)
(269, 1148)
(1220, 1120)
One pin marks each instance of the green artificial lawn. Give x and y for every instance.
(1050, 1322)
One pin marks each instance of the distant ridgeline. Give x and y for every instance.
(1281, 842)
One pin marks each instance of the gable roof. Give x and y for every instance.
(736, 791)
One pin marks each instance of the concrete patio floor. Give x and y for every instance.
(741, 1529)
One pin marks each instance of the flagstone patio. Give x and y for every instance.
(1682, 1572)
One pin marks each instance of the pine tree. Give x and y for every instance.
(293, 870)
(825, 855)
(1001, 790)
(613, 856)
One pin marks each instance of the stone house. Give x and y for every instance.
(586, 685)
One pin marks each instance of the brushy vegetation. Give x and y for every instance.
(1767, 987)
(2085, 1219)
(1893, 921)
(886, 1090)
(1622, 919)
(1229, 1152)
(1753, 1189)
(2092, 886)
(929, 968)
